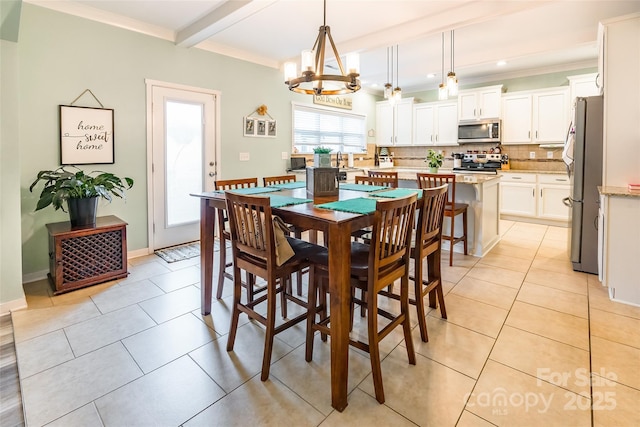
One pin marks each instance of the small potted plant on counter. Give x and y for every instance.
(322, 157)
(434, 160)
(80, 191)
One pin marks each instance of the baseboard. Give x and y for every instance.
(541, 221)
(35, 276)
(138, 253)
(8, 307)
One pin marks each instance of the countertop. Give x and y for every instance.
(533, 171)
(618, 191)
(409, 173)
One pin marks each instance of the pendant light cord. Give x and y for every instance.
(397, 72)
(442, 75)
(452, 51)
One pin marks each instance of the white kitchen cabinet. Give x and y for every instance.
(480, 103)
(535, 117)
(583, 85)
(394, 122)
(538, 197)
(552, 190)
(518, 194)
(435, 123)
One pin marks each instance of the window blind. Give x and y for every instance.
(313, 127)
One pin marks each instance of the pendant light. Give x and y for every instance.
(452, 80)
(397, 92)
(443, 93)
(312, 80)
(388, 87)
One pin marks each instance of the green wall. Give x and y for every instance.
(61, 55)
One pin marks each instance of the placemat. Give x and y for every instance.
(254, 190)
(362, 187)
(290, 185)
(360, 205)
(280, 201)
(397, 193)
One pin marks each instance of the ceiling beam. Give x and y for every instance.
(227, 14)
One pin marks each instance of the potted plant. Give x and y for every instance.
(80, 191)
(322, 157)
(434, 160)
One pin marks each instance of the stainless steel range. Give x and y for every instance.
(480, 163)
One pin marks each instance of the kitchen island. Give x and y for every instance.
(481, 192)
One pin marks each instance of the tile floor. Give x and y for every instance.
(524, 332)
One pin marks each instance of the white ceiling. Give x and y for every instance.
(533, 37)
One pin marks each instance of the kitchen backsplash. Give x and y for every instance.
(519, 156)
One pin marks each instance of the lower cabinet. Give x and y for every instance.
(535, 196)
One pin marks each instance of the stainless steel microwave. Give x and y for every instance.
(479, 131)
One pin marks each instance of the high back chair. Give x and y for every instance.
(427, 244)
(373, 267)
(452, 209)
(273, 180)
(253, 246)
(393, 176)
(224, 235)
(377, 180)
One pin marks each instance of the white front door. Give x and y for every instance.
(183, 156)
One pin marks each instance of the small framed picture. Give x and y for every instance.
(86, 135)
(262, 127)
(249, 126)
(271, 128)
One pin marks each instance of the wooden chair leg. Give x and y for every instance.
(270, 329)
(422, 323)
(235, 312)
(451, 240)
(223, 265)
(406, 324)
(374, 347)
(311, 314)
(464, 224)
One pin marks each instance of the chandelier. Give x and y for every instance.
(452, 80)
(313, 81)
(388, 87)
(397, 92)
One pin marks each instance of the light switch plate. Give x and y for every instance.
(244, 157)
(532, 154)
(549, 154)
(285, 155)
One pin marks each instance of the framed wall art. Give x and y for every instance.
(249, 126)
(260, 125)
(86, 135)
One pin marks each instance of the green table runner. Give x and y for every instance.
(254, 190)
(397, 193)
(360, 205)
(362, 187)
(280, 201)
(290, 185)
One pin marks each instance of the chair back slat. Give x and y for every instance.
(273, 180)
(251, 229)
(391, 176)
(429, 225)
(391, 239)
(377, 180)
(233, 184)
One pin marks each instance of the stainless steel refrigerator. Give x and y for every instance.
(586, 176)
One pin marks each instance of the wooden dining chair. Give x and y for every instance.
(225, 236)
(373, 267)
(253, 246)
(283, 179)
(451, 210)
(383, 181)
(427, 245)
(393, 176)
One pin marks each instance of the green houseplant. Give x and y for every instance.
(80, 191)
(434, 160)
(322, 157)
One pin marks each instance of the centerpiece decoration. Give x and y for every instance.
(322, 157)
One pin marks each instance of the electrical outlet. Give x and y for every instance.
(532, 154)
(549, 154)
(285, 155)
(244, 157)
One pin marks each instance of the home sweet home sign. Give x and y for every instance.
(86, 135)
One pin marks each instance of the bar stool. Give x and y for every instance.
(451, 210)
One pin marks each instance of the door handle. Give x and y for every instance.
(212, 174)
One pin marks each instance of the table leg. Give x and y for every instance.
(340, 294)
(207, 227)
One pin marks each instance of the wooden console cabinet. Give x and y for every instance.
(85, 256)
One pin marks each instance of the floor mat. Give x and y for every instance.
(180, 252)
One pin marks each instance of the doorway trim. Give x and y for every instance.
(150, 84)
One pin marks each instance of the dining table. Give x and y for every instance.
(337, 226)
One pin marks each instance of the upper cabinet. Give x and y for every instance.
(479, 103)
(535, 117)
(435, 123)
(583, 85)
(394, 122)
